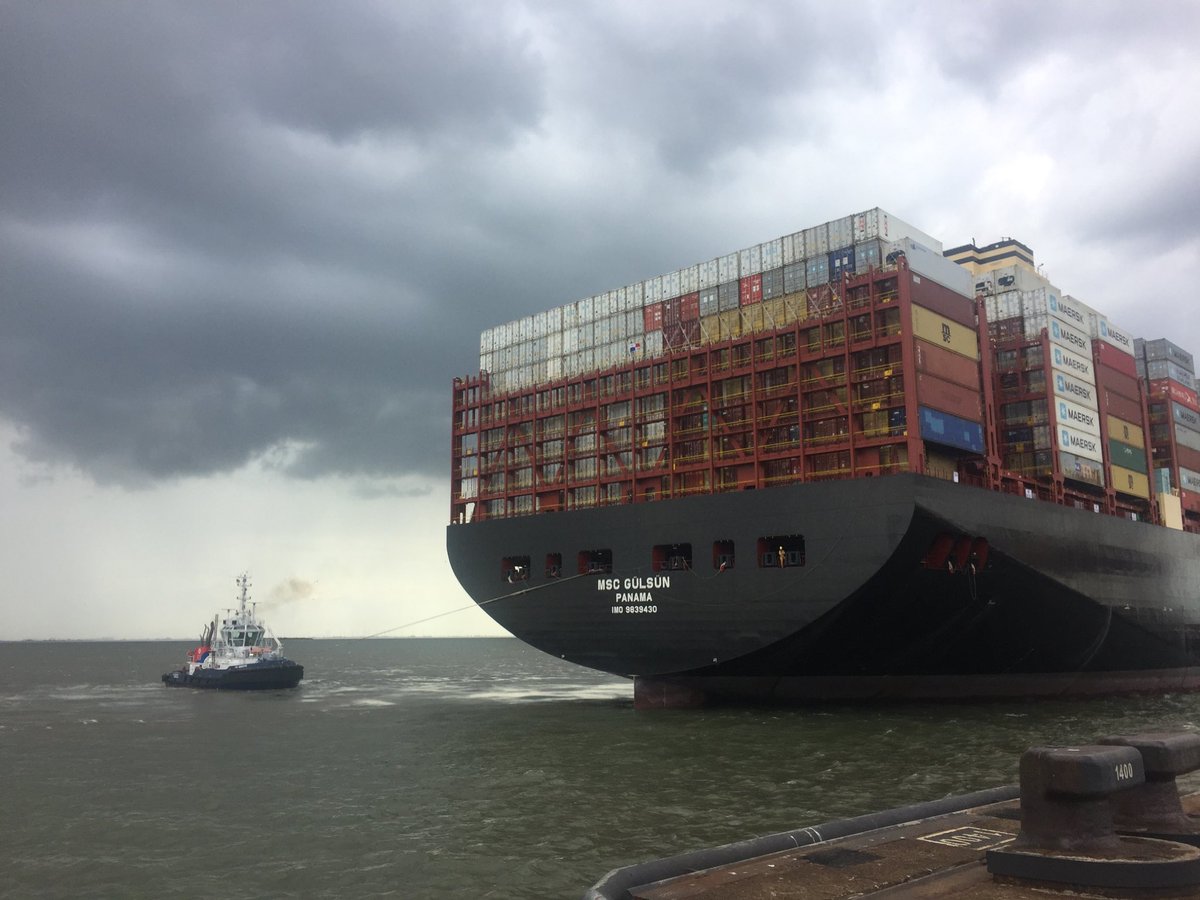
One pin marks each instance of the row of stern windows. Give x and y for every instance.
(771, 552)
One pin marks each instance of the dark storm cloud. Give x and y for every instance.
(231, 229)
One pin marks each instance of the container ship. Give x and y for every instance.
(842, 465)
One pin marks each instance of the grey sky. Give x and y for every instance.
(269, 234)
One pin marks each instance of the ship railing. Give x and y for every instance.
(788, 478)
(821, 440)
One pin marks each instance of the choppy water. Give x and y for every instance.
(444, 769)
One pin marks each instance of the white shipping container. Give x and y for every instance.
(878, 223)
(727, 268)
(554, 344)
(620, 353)
(601, 306)
(1189, 480)
(1072, 441)
(841, 232)
(1187, 437)
(1077, 416)
(1072, 364)
(654, 289)
(1080, 469)
(793, 248)
(1068, 309)
(689, 280)
(750, 261)
(709, 276)
(554, 368)
(635, 322)
(526, 328)
(1036, 324)
(583, 336)
(670, 285)
(570, 341)
(570, 317)
(931, 264)
(485, 362)
(772, 254)
(653, 344)
(1077, 390)
(816, 241)
(1069, 336)
(1111, 334)
(602, 331)
(634, 297)
(584, 311)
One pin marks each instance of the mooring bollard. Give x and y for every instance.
(1153, 808)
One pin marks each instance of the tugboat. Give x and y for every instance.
(237, 652)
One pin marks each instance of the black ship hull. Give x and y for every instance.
(262, 676)
(908, 587)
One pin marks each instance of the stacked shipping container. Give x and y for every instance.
(753, 369)
(760, 288)
(1174, 417)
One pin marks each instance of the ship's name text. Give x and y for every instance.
(652, 583)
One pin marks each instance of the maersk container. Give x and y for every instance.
(772, 284)
(1163, 368)
(772, 254)
(816, 241)
(1161, 348)
(1070, 337)
(1079, 468)
(793, 278)
(1188, 418)
(943, 428)
(708, 276)
(727, 296)
(1080, 367)
(1078, 443)
(1078, 417)
(1074, 312)
(793, 248)
(1127, 457)
(1111, 334)
(750, 261)
(727, 268)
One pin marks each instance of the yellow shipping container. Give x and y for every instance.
(1126, 432)
(710, 328)
(753, 318)
(942, 332)
(797, 306)
(1127, 481)
(731, 324)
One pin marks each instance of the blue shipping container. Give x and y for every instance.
(951, 430)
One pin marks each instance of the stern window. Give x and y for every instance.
(781, 551)
(514, 568)
(595, 561)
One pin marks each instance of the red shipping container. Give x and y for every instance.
(681, 335)
(946, 365)
(950, 398)
(820, 301)
(671, 309)
(1118, 382)
(1168, 389)
(1122, 407)
(652, 317)
(1187, 457)
(689, 307)
(1108, 355)
(944, 302)
(750, 289)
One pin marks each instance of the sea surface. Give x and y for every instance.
(445, 768)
